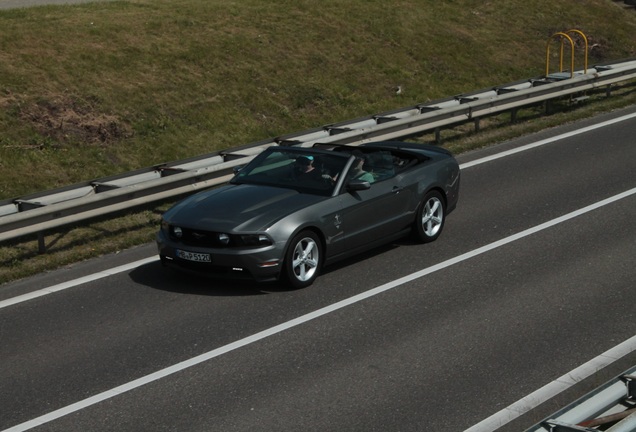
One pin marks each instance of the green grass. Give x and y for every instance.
(97, 89)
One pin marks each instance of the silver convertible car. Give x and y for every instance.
(292, 210)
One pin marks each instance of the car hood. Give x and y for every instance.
(238, 208)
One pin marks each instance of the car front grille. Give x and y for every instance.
(199, 238)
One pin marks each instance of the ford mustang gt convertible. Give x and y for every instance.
(292, 210)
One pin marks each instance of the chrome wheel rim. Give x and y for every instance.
(432, 217)
(305, 259)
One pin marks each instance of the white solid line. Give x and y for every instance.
(76, 282)
(308, 317)
(553, 388)
(547, 141)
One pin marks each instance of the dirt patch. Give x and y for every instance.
(64, 120)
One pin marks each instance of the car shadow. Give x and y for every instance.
(154, 275)
(340, 265)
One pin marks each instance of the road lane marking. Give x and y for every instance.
(546, 141)
(133, 265)
(327, 310)
(70, 284)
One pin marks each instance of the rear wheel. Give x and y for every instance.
(430, 218)
(303, 259)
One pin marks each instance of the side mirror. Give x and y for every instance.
(238, 168)
(358, 185)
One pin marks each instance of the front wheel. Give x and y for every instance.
(430, 218)
(303, 259)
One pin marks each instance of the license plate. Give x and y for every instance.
(193, 256)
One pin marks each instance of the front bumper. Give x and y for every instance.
(260, 264)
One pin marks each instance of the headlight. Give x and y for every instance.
(177, 231)
(254, 240)
(172, 231)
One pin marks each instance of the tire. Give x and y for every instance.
(431, 215)
(303, 259)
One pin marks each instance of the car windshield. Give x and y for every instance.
(305, 171)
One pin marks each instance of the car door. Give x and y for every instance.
(375, 213)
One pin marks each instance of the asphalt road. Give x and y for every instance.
(441, 350)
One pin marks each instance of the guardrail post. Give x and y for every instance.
(41, 244)
(630, 382)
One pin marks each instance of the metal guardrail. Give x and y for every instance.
(611, 406)
(38, 213)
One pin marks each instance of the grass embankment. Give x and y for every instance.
(98, 89)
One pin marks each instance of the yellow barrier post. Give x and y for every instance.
(563, 36)
(580, 33)
(547, 61)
